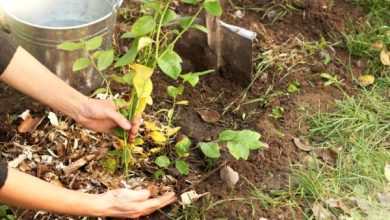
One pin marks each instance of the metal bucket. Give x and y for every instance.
(40, 25)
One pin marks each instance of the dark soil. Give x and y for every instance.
(267, 168)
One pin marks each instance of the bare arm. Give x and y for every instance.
(25, 191)
(27, 75)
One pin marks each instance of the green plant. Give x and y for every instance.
(153, 37)
(238, 143)
(330, 80)
(277, 112)
(5, 213)
(182, 149)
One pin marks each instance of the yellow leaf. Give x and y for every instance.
(158, 137)
(141, 106)
(138, 150)
(143, 87)
(173, 131)
(154, 150)
(366, 80)
(142, 71)
(138, 141)
(184, 102)
(149, 100)
(122, 143)
(385, 57)
(151, 126)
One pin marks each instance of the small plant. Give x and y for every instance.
(330, 80)
(238, 143)
(153, 37)
(277, 112)
(293, 87)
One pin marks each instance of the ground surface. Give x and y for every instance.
(289, 47)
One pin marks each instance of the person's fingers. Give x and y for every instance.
(151, 205)
(119, 119)
(170, 199)
(138, 195)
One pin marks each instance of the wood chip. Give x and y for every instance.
(78, 164)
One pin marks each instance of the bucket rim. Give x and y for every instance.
(7, 12)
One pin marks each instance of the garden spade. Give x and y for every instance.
(225, 48)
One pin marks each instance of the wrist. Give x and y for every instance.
(79, 107)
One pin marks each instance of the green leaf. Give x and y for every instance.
(159, 174)
(227, 135)
(237, 150)
(293, 87)
(143, 25)
(97, 54)
(200, 27)
(189, 1)
(129, 57)
(117, 78)
(210, 149)
(169, 63)
(213, 7)
(110, 164)
(70, 46)
(162, 161)
(191, 79)
(249, 139)
(169, 16)
(119, 132)
(185, 22)
(81, 63)
(126, 155)
(128, 35)
(144, 42)
(174, 91)
(182, 167)
(93, 43)
(105, 59)
(128, 78)
(183, 147)
(99, 91)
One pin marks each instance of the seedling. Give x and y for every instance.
(330, 80)
(293, 87)
(239, 144)
(277, 112)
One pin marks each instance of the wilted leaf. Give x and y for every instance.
(384, 198)
(151, 126)
(302, 144)
(209, 115)
(53, 119)
(173, 131)
(378, 45)
(338, 203)
(387, 172)
(385, 57)
(321, 213)
(189, 197)
(158, 137)
(328, 155)
(366, 80)
(29, 124)
(141, 70)
(229, 176)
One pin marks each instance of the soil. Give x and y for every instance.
(267, 168)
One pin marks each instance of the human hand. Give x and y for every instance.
(102, 116)
(128, 203)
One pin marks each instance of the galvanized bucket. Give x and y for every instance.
(40, 25)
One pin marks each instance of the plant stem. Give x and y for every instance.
(188, 27)
(159, 28)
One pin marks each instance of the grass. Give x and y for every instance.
(360, 127)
